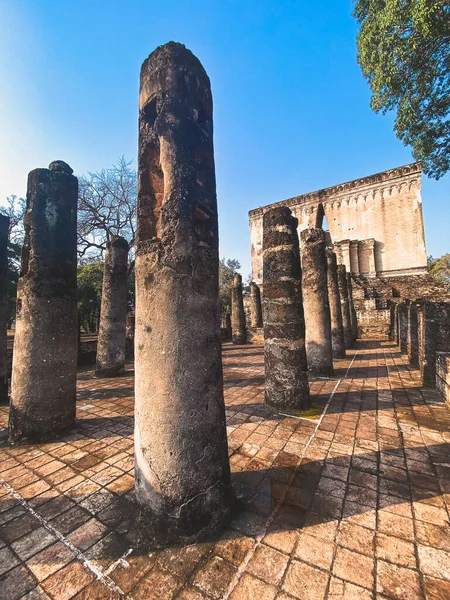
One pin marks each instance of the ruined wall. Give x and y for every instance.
(385, 207)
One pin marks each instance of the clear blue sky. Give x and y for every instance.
(291, 107)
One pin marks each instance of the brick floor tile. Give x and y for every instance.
(284, 541)
(354, 567)
(434, 562)
(234, 547)
(214, 577)
(30, 544)
(436, 589)
(392, 524)
(182, 561)
(356, 538)
(304, 581)
(189, 593)
(50, 560)
(251, 588)
(397, 582)
(16, 583)
(97, 590)
(8, 560)
(430, 514)
(396, 550)
(157, 585)
(315, 551)
(268, 564)
(88, 534)
(343, 590)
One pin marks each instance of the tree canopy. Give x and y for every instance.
(439, 268)
(227, 268)
(404, 52)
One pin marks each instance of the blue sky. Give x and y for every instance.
(291, 107)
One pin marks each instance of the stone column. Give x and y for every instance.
(4, 308)
(255, 306)
(412, 341)
(287, 387)
(345, 306)
(403, 327)
(345, 253)
(351, 303)
(43, 385)
(366, 255)
(434, 336)
(354, 260)
(113, 312)
(393, 322)
(238, 325)
(337, 328)
(129, 334)
(316, 306)
(182, 472)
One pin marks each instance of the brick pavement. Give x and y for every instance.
(355, 506)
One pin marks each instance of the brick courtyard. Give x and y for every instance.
(354, 506)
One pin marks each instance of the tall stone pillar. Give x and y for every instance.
(113, 312)
(43, 386)
(403, 327)
(345, 254)
(345, 306)
(337, 328)
(354, 259)
(366, 256)
(412, 340)
(238, 324)
(287, 387)
(182, 472)
(434, 336)
(351, 303)
(255, 306)
(4, 308)
(316, 305)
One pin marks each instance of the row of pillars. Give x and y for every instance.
(182, 472)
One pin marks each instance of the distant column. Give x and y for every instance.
(182, 472)
(43, 387)
(316, 305)
(287, 387)
(337, 328)
(366, 256)
(345, 254)
(238, 324)
(4, 308)
(353, 317)
(403, 327)
(412, 341)
(345, 306)
(255, 306)
(354, 259)
(113, 312)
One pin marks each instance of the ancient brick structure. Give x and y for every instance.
(182, 471)
(129, 333)
(337, 328)
(353, 317)
(345, 305)
(287, 387)
(315, 302)
(113, 313)
(443, 375)
(402, 316)
(238, 321)
(4, 309)
(375, 223)
(434, 336)
(412, 336)
(43, 393)
(256, 319)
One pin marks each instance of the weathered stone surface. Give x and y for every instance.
(256, 319)
(238, 323)
(316, 305)
(412, 337)
(337, 328)
(113, 313)
(402, 315)
(287, 387)
(353, 318)
(43, 392)
(4, 308)
(345, 305)
(182, 473)
(434, 336)
(443, 375)
(129, 332)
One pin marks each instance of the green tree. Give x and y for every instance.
(404, 52)
(227, 268)
(439, 268)
(89, 294)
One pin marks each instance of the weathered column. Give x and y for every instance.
(345, 254)
(129, 333)
(228, 325)
(43, 386)
(255, 306)
(434, 336)
(353, 318)
(182, 472)
(412, 341)
(393, 322)
(238, 325)
(287, 387)
(403, 327)
(354, 259)
(345, 306)
(113, 312)
(337, 328)
(4, 308)
(316, 305)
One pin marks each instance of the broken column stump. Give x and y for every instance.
(345, 306)
(402, 316)
(111, 343)
(287, 387)
(337, 328)
(4, 308)
(43, 385)
(238, 324)
(255, 306)
(316, 305)
(351, 303)
(412, 336)
(182, 472)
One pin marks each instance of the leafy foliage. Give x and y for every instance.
(439, 268)
(404, 52)
(89, 295)
(227, 268)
